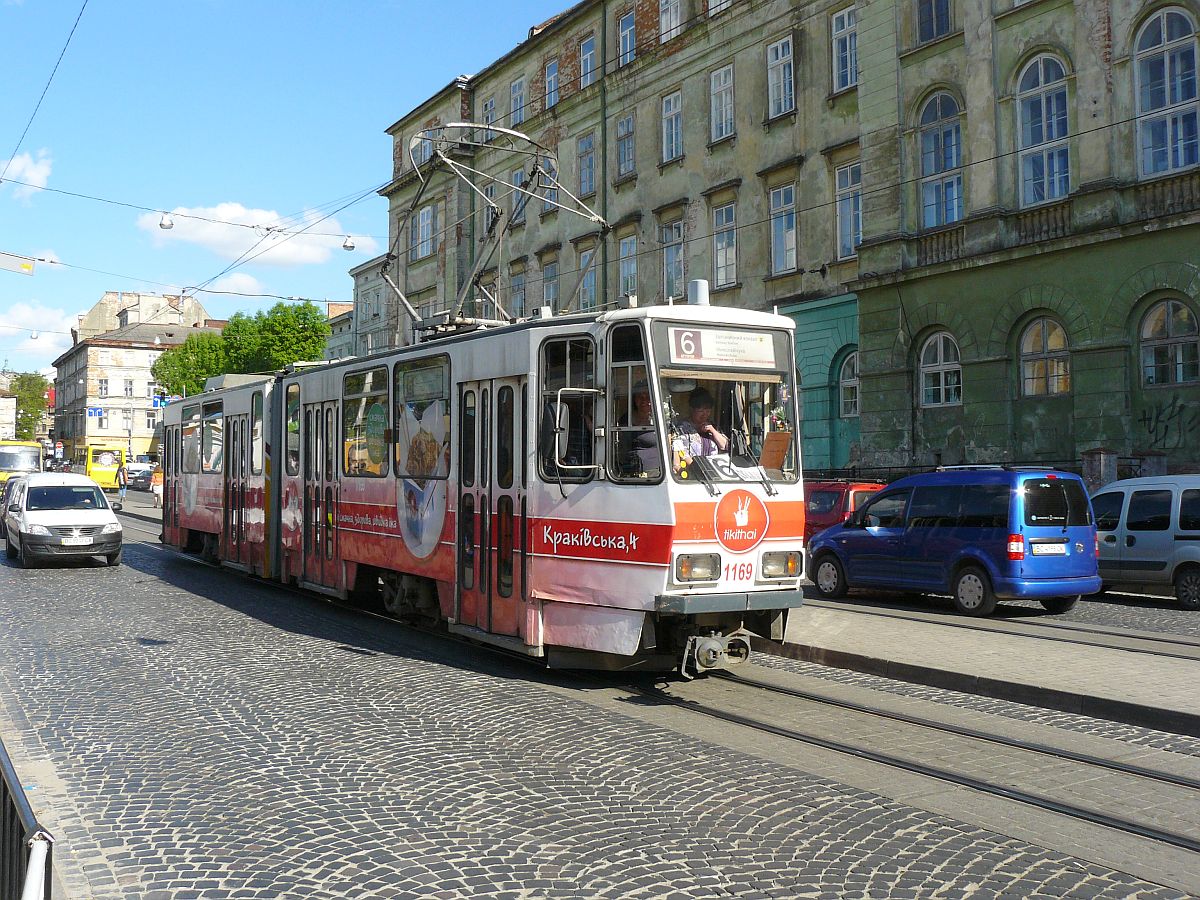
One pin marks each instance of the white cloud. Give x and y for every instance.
(52, 327)
(237, 283)
(226, 237)
(33, 172)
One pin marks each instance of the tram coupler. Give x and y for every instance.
(709, 652)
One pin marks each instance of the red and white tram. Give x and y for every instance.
(614, 490)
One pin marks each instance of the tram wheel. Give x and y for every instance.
(973, 592)
(830, 577)
(393, 597)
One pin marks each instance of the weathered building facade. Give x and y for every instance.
(1030, 285)
(984, 215)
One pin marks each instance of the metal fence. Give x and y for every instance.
(888, 474)
(26, 848)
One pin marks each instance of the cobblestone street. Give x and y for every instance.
(190, 733)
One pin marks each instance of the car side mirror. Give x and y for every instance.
(117, 507)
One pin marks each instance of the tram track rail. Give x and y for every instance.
(1168, 646)
(993, 787)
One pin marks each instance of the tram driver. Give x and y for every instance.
(696, 435)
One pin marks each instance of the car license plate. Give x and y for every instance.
(1049, 549)
(76, 541)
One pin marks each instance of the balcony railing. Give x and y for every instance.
(1043, 223)
(1168, 196)
(940, 246)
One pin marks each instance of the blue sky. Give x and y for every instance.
(242, 111)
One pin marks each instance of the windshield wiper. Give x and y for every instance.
(770, 489)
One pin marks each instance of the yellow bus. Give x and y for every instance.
(19, 458)
(99, 462)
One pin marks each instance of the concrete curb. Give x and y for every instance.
(1031, 695)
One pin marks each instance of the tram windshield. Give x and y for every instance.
(728, 403)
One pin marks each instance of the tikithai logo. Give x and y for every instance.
(740, 521)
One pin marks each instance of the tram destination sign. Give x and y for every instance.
(722, 347)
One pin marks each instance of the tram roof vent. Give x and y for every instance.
(698, 292)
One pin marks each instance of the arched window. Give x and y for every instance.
(941, 162)
(848, 387)
(1042, 106)
(1170, 344)
(1166, 93)
(941, 372)
(1045, 360)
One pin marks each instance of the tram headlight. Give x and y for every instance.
(697, 567)
(781, 564)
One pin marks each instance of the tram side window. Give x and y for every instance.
(421, 392)
(292, 429)
(212, 443)
(191, 439)
(256, 433)
(633, 435)
(504, 437)
(365, 423)
(568, 363)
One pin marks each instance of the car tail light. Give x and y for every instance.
(1016, 547)
(1097, 546)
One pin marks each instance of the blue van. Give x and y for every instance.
(979, 533)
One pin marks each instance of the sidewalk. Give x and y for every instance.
(1122, 686)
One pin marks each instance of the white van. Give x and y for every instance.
(1149, 533)
(60, 515)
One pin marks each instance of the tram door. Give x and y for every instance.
(171, 466)
(321, 446)
(491, 504)
(237, 467)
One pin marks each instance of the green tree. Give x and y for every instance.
(184, 369)
(284, 334)
(30, 390)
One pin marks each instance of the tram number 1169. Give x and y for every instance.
(743, 571)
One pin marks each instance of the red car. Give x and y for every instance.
(829, 502)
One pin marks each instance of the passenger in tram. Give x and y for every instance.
(639, 449)
(701, 437)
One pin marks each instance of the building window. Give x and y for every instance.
(1166, 93)
(551, 83)
(489, 117)
(587, 283)
(941, 162)
(672, 244)
(716, 6)
(128, 387)
(781, 92)
(102, 387)
(151, 389)
(627, 38)
(1045, 159)
(849, 209)
(151, 420)
(844, 28)
(672, 126)
(1170, 344)
(516, 96)
(519, 199)
(941, 372)
(783, 229)
(517, 293)
(848, 387)
(587, 62)
(933, 19)
(491, 214)
(627, 255)
(724, 225)
(423, 151)
(102, 422)
(421, 239)
(550, 285)
(721, 103)
(670, 19)
(1045, 361)
(625, 159)
(586, 153)
(127, 420)
(550, 194)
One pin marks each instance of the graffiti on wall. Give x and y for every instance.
(1170, 423)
